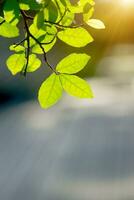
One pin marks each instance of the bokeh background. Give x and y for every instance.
(79, 149)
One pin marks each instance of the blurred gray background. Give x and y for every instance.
(79, 149)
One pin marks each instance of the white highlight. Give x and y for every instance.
(127, 2)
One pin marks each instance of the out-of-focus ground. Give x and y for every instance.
(79, 149)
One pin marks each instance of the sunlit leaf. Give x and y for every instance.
(47, 47)
(51, 12)
(76, 37)
(73, 63)
(96, 23)
(17, 48)
(50, 91)
(76, 86)
(11, 12)
(16, 62)
(88, 15)
(8, 30)
(29, 4)
(34, 63)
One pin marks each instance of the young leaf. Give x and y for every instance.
(16, 62)
(11, 12)
(7, 30)
(47, 47)
(39, 19)
(88, 15)
(29, 5)
(96, 23)
(80, 5)
(67, 19)
(18, 48)
(76, 86)
(44, 35)
(50, 91)
(34, 63)
(76, 37)
(73, 63)
(51, 12)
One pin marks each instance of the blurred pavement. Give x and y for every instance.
(78, 150)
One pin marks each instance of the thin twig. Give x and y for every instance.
(2, 22)
(36, 40)
(28, 16)
(23, 40)
(63, 26)
(28, 43)
(62, 15)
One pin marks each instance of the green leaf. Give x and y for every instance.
(62, 6)
(18, 48)
(46, 36)
(37, 33)
(34, 63)
(96, 23)
(73, 63)
(67, 19)
(76, 86)
(39, 19)
(76, 37)
(50, 91)
(7, 30)
(66, 3)
(11, 12)
(16, 62)
(47, 47)
(29, 5)
(80, 6)
(91, 2)
(88, 15)
(51, 12)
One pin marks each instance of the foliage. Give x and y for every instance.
(45, 21)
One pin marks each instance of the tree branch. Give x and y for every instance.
(37, 41)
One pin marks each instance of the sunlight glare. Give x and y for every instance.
(127, 2)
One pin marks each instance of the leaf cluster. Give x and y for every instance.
(46, 21)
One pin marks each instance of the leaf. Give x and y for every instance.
(80, 6)
(76, 86)
(96, 23)
(66, 3)
(50, 91)
(7, 30)
(34, 63)
(18, 48)
(11, 12)
(51, 12)
(47, 37)
(29, 5)
(76, 37)
(47, 47)
(67, 19)
(91, 2)
(46, 34)
(16, 62)
(37, 33)
(88, 15)
(39, 19)
(73, 63)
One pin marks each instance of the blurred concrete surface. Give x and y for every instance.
(78, 150)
